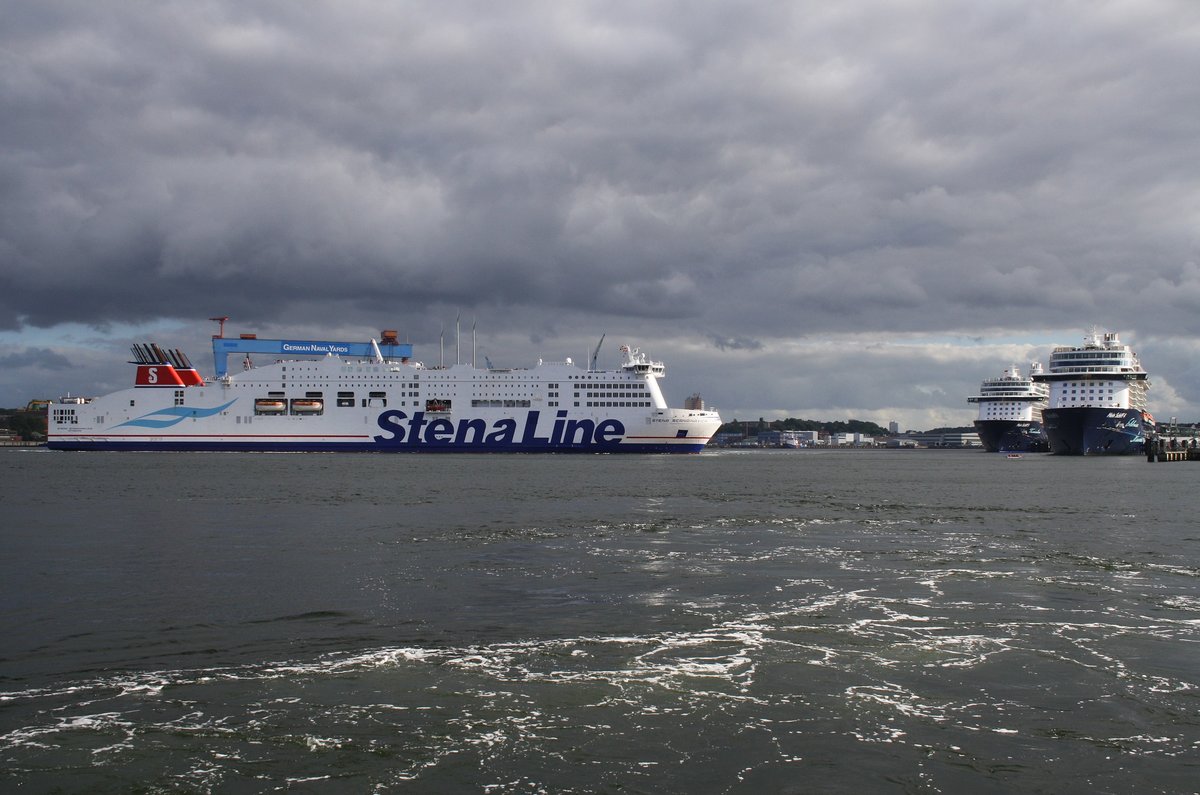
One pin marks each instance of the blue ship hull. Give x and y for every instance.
(1095, 431)
(1011, 436)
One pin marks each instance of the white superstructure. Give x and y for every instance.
(1012, 396)
(1101, 373)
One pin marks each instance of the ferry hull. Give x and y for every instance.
(215, 429)
(301, 446)
(1011, 436)
(1095, 431)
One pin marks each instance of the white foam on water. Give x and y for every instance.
(653, 678)
(323, 743)
(49, 735)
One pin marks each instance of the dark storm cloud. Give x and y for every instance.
(747, 175)
(735, 343)
(34, 357)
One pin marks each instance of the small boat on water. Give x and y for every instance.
(1013, 455)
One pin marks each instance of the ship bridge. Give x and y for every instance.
(637, 362)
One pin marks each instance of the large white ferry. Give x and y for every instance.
(1098, 394)
(1010, 411)
(373, 397)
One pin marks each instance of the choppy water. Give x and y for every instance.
(742, 622)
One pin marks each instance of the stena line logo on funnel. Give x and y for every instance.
(401, 429)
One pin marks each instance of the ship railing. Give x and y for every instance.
(1094, 369)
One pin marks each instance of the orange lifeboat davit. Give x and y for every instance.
(269, 406)
(307, 406)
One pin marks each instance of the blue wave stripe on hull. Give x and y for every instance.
(174, 415)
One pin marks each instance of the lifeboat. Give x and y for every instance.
(269, 406)
(308, 406)
(437, 406)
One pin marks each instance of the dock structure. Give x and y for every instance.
(1171, 455)
(1162, 449)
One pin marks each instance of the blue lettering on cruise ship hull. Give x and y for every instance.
(1093, 430)
(418, 431)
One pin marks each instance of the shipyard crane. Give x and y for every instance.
(596, 353)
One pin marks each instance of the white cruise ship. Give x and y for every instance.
(373, 397)
(1010, 411)
(1098, 398)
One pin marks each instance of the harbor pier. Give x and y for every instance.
(1163, 449)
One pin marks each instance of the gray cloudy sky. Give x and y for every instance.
(814, 209)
